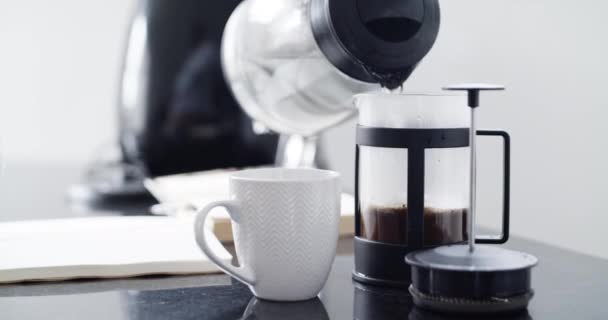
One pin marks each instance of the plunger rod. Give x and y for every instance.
(473, 183)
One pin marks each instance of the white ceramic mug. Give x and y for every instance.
(285, 226)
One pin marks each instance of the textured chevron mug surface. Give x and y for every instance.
(285, 224)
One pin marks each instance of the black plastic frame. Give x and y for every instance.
(382, 263)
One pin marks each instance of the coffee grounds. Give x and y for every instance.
(389, 225)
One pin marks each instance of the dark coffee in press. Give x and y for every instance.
(389, 225)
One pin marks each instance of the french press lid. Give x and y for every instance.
(375, 41)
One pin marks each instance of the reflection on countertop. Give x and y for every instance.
(375, 303)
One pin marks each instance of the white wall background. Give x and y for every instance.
(59, 64)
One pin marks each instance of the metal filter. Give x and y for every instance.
(471, 278)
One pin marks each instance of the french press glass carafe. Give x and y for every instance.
(413, 180)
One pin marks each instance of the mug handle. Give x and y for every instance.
(506, 196)
(242, 273)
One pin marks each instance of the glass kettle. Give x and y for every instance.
(294, 65)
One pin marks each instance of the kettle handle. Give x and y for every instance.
(506, 195)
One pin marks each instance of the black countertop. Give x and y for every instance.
(568, 285)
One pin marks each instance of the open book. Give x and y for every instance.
(181, 194)
(102, 247)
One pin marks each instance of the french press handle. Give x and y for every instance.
(473, 90)
(506, 191)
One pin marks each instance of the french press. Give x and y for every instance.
(412, 180)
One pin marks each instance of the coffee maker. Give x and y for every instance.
(175, 111)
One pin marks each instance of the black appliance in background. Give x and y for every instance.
(176, 112)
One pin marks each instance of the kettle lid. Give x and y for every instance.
(375, 41)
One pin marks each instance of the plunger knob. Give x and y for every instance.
(473, 89)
